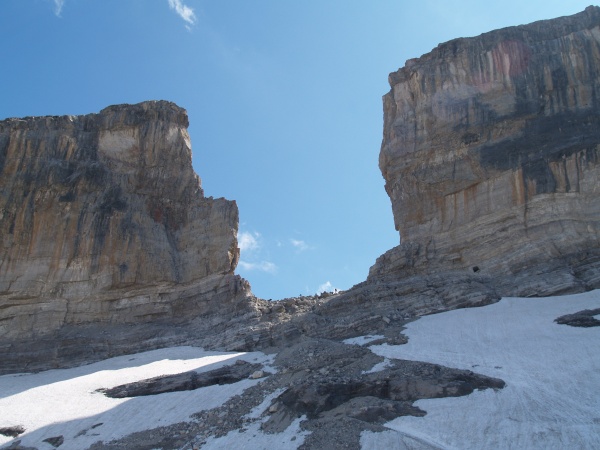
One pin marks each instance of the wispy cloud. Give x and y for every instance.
(58, 6)
(248, 242)
(299, 245)
(183, 11)
(326, 287)
(262, 266)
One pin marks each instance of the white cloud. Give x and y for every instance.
(58, 6)
(326, 287)
(184, 11)
(262, 266)
(299, 245)
(248, 242)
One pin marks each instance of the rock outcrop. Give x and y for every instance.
(491, 154)
(103, 221)
(186, 381)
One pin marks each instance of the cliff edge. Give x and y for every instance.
(103, 221)
(490, 156)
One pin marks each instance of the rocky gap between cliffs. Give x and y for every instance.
(513, 215)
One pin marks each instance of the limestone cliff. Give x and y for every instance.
(490, 156)
(491, 153)
(103, 220)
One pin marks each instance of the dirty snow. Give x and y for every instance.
(379, 366)
(362, 340)
(257, 411)
(252, 438)
(552, 373)
(64, 402)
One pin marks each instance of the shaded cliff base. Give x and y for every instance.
(401, 287)
(562, 273)
(377, 306)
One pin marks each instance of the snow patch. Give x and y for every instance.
(379, 366)
(257, 411)
(266, 361)
(362, 340)
(552, 374)
(370, 440)
(65, 402)
(253, 438)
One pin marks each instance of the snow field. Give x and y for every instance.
(552, 375)
(64, 402)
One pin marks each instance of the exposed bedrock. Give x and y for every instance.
(103, 221)
(186, 381)
(490, 155)
(585, 319)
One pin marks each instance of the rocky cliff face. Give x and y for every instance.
(103, 220)
(491, 153)
(490, 156)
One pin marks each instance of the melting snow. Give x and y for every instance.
(257, 411)
(64, 402)
(552, 373)
(379, 366)
(252, 438)
(362, 340)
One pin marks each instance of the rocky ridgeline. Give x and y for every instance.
(490, 155)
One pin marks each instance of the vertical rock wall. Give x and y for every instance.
(102, 219)
(491, 150)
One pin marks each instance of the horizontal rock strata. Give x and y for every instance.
(491, 157)
(103, 221)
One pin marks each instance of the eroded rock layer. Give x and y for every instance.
(103, 220)
(491, 154)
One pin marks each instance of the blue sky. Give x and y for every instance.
(284, 101)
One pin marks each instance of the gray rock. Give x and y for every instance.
(490, 156)
(186, 381)
(13, 431)
(257, 374)
(584, 319)
(55, 441)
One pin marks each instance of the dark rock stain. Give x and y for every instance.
(548, 139)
